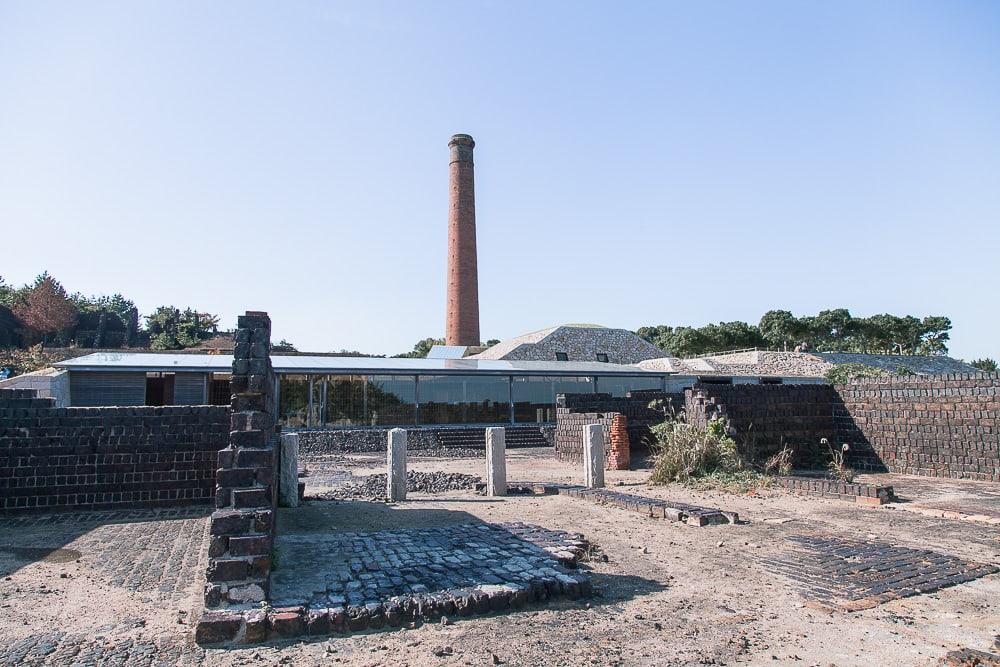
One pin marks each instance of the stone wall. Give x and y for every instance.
(763, 418)
(242, 528)
(47, 383)
(110, 457)
(941, 426)
(321, 443)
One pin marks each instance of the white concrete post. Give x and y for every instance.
(593, 456)
(288, 472)
(396, 465)
(496, 462)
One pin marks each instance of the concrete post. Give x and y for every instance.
(396, 465)
(496, 462)
(288, 471)
(593, 456)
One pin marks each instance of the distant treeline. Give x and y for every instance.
(830, 331)
(43, 312)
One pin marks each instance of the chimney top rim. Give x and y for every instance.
(462, 139)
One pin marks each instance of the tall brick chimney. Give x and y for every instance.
(462, 325)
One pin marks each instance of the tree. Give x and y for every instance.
(780, 328)
(986, 364)
(283, 346)
(492, 341)
(171, 329)
(421, 348)
(116, 303)
(46, 310)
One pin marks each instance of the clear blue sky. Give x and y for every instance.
(637, 163)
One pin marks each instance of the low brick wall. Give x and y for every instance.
(574, 411)
(105, 458)
(855, 492)
(940, 426)
(767, 417)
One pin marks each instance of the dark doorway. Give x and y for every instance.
(160, 389)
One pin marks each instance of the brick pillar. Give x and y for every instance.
(618, 453)
(462, 323)
(242, 528)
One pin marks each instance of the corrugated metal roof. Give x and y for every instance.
(222, 363)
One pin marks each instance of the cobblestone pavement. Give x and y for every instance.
(331, 570)
(154, 551)
(57, 648)
(101, 588)
(851, 575)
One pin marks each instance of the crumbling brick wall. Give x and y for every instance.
(940, 426)
(242, 528)
(763, 418)
(107, 457)
(574, 411)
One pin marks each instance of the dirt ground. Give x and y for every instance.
(668, 593)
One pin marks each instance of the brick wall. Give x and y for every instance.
(941, 426)
(763, 418)
(574, 411)
(109, 457)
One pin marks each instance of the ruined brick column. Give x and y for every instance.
(242, 528)
(462, 324)
(618, 454)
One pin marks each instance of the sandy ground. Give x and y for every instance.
(668, 593)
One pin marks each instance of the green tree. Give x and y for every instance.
(171, 329)
(780, 329)
(421, 348)
(283, 346)
(986, 364)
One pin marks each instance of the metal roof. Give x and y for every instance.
(222, 363)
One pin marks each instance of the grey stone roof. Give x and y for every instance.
(580, 342)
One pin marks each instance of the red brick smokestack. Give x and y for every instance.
(462, 326)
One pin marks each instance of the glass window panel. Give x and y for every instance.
(535, 396)
(464, 399)
(293, 400)
(345, 401)
(619, 386)
(391, 400)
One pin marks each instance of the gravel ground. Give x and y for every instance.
(373, 487)
(668, 594)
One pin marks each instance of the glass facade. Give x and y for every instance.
(464, 399)
(535, 396)
(293, 400)
(619, 386)
(352, 401)
(391, 400)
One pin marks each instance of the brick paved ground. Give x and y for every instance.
(853, 575)
(101, 588)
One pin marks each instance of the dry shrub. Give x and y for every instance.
(685, 452)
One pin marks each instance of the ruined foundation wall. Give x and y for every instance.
(764, 418)
(105, 458)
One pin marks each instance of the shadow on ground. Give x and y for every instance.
(31, 538)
